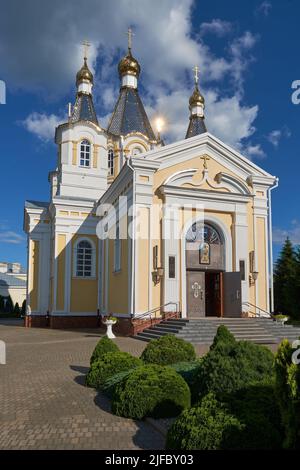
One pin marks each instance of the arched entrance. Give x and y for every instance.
(205, 263)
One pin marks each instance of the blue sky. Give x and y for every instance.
(248, 57)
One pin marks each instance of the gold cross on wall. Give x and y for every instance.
(205, 160)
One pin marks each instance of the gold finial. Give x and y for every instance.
(196, 76)
(205, 160)
(130, 34)
(86, 46)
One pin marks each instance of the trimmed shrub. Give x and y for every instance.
(256, 407)
(168, 350)
(151, 390)
(110, 364)
(208, 426)
(17, 310)
(111, 383)
(239, 366)
(287, 389)
(189, 371)
(223, 341)
(23, 308)
(104, 346)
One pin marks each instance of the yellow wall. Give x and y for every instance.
(84, 292)
(261, 263)
(142, 243)
(118, 281)
(61, 270)
(34, 277)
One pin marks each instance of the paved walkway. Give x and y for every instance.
(44, 403)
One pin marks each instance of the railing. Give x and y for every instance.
(149, 313)
(258, 311)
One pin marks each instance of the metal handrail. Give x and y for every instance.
(153, 310)
(269, 315)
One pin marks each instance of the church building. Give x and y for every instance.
(137, 228)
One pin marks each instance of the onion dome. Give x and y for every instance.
(129, 66)
(84, 74)
(196, 99)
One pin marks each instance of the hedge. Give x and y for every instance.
(168, 350)
(287, 389)
(104, 346)
(151, 390)
(110, 364)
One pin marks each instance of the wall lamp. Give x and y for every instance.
(157, 275)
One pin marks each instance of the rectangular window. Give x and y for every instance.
(171, 267)
(155, 257)
(243, 269)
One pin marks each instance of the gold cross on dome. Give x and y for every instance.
(205, 160)
(86, 46)
(130, 34)
(196, 76)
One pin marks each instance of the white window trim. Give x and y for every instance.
(93, 270)
(90, 154)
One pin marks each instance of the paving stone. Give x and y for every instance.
(44, 404)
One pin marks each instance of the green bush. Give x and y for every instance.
(110, 364)
(151, 390)
(208, 426)
(111, 383)
(189, 371)
(104, 346)
(168, 350)
(257, 409)
(224, 371)
(287, 388)
(223, 340)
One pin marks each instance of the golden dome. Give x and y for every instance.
(129, 66)
(84, 74)
(196, 99)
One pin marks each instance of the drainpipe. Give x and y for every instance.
(271, 245)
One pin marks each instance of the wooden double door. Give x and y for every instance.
(216, 294)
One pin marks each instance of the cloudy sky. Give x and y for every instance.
(248, 58)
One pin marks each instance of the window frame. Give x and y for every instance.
(87, 144)
(111, 162)
(93, 259)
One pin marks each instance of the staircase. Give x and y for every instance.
(202, 331)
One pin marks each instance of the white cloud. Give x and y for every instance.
(274, 137)
(11, 237)
(164, 43)
(217, 27)
(254, 150)
(264, 8)
(293, 233)
(42, 125)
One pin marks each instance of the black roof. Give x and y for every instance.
(196, 127)
(84, 109)
(129, 115)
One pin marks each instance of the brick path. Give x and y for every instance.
(44, 404)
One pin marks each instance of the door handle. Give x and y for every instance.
(237, 294)
(201, 295)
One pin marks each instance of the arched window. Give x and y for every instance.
(84, 259)
(110, 162)
(203, 234)
(85, 153)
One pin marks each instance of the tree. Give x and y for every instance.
(9, 306)
(17, 310)
(23, 309)
(285, 281)
(1, 304)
